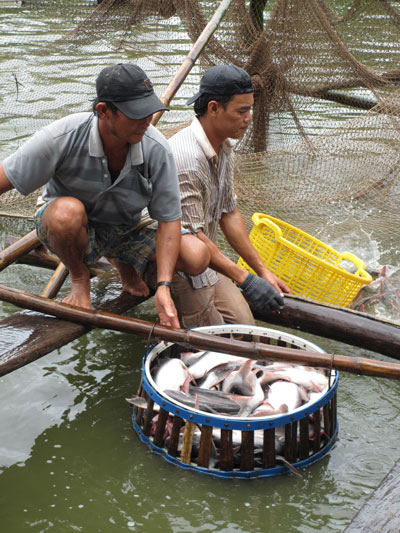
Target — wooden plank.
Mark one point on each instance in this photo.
(381, 511)
(337, 323)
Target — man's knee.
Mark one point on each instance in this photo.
(194, 256)
(65, 213)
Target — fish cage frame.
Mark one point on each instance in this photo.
(298, 451)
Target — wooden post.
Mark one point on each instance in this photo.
(55, 282)
(191, 58)
(226, 451)
(187, 443)
(247, 451)
(205, 446)
(174, 437)
(158, 439)
(269, 454)
(304, 446)
(148, 417)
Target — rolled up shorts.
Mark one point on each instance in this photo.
(134, 245)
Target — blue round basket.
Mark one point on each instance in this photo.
(306, 433)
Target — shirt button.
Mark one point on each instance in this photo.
(105, 175)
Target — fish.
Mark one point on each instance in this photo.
(266, 409)
(210, 360)
(172, 374)
(138, 401)
(307, 377)
(244, 382)
(286, 393)
(191, 357)
(218, 374)
(207, 400)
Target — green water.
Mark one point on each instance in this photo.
(71, 461)
(69, 457)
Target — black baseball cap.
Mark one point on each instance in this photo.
(129, 89)
(224, 80)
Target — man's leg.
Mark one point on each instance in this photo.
(62, 225)
(231, 303)
(195, 306)
(194, 255)
(130, 279)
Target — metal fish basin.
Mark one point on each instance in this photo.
(235, 446)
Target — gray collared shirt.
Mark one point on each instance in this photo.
(67, 158)
(206, 185)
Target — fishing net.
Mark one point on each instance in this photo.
(323, 149)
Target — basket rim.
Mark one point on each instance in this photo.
(229, 422)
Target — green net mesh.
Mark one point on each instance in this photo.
(323, 150)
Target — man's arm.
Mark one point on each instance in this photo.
(235, 231)
(167, 250)
(5, 184)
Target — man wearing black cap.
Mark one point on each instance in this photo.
(204, 159)
(100, 171)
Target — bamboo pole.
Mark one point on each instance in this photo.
(191, 58)
(20, 247)
(332, 322)
(41, 257)
(56, 281)
(191, 339)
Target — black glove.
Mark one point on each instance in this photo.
(260, 294)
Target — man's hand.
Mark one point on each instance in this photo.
(165, 307)
(260, 294)
(277, 283)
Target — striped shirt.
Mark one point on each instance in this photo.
(67, 157)
(206, 185)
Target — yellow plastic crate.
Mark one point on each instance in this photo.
(309, 267)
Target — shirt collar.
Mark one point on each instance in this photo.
(204, 143)
(96, 145)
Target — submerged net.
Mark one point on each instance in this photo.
(323, 152)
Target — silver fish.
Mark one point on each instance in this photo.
(218, 374)
(244, 382)
(286, 393)
(206, 400)
(307, 377)
(172, 374)
(210, 360)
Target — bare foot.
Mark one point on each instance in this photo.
(131, 281)
(79, 294)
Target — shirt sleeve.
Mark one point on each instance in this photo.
(33, 164)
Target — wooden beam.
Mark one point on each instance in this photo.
(337, 323)
(381, 511)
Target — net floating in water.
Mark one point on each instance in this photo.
(309, 267)
(308, 432)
